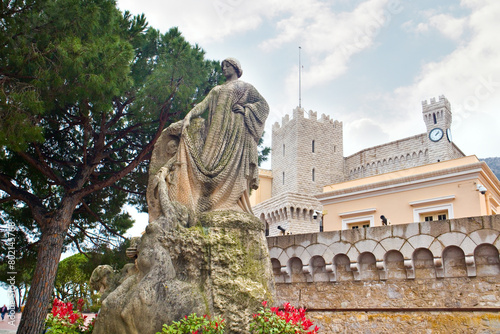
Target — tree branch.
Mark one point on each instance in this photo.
(96, 216)
(41, 165)
(139, 158)
(37, 208)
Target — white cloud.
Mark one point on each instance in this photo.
(449, 26)
(206, 21)
(469, 77)
(329, 39)
(368, 134)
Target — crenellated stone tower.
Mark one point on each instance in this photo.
(437, 118)
(307, 153)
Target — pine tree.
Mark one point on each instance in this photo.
(85, 92)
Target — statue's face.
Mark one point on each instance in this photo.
(228, 70)
(172, 147)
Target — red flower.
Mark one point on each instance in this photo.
(264, 303)
(73, 317)
(80, 304)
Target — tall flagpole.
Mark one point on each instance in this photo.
(300, 70)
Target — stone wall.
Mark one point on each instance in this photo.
(390, 157)
(451, 305)
(433, 277)
(296, 213)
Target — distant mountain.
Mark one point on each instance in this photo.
(494, 164)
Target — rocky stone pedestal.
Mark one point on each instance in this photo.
(218, 265)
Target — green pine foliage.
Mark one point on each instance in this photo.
(85, 91)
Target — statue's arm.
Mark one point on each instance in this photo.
(255, 113)
(198, 110)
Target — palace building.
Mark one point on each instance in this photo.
(312, 187)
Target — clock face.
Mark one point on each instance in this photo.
(436, 134)
(448, 135)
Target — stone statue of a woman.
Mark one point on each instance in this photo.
(201, 171)
(216, 161)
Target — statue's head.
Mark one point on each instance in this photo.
(172, 146)
(234, 63)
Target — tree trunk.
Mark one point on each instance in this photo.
(42, 286)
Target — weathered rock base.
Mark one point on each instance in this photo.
(219, 266)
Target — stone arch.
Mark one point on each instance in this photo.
(278, 276)
(454, 262)
(414, 155)
(487, 261)
(275, 263)
(342, 268)
(368, 267)
(311, 214)
(408, 157)
(423, 263)
(394, 265)
(292, 212)
(295, 269)
(318, 269)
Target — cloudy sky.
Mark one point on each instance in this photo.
(367, 63)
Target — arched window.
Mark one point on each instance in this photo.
(313, 146)
(434, 117)
(283, 177)
(283, 149)
(313, 174)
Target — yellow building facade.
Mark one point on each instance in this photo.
(457, 188)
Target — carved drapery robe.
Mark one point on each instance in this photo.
(217, 159)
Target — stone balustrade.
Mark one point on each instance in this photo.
(465, 247)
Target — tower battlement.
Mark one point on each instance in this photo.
(307, 152)
(433, 104)
(299, 114)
